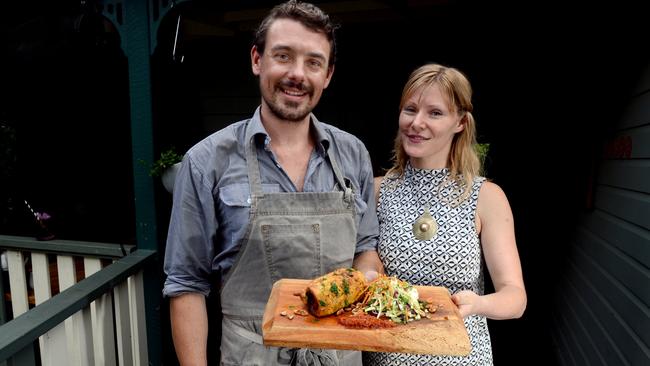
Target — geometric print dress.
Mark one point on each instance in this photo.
(452, 258)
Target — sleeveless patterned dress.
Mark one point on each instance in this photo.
(452, 258)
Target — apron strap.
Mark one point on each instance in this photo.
(254, 180)
(338, 174)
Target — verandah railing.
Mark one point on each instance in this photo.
(99, 320)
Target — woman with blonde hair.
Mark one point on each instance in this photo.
(440, 221)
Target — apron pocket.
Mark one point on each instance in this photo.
(293, 250)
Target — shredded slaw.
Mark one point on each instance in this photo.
(395, 299)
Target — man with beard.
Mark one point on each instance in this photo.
(279, 195)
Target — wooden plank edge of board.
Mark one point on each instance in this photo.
(267, 320)
(451, 349)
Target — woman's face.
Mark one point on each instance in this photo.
(427, 127)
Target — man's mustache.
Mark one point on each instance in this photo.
(288, 84)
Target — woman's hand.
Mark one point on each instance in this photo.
(468, 302)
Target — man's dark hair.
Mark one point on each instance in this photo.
(308, 15)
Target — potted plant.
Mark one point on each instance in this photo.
(166, 167)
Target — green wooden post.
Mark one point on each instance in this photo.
(137, 22)
(137, 34)
(136, 44)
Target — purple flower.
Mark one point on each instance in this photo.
(42, 216)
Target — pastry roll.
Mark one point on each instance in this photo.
(328, 294)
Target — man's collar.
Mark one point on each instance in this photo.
(319, 135)
(256, 128)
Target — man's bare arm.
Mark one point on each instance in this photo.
(189, 320)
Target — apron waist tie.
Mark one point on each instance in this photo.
(299, 356)
(244, 333)
(314, 357)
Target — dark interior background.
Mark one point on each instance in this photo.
(549, 81)
(64, 118)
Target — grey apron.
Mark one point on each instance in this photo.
(289, 235)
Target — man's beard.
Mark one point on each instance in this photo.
(289, 111)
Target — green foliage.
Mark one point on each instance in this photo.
(167, 158)
(482, 152)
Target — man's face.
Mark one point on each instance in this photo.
(293, 70)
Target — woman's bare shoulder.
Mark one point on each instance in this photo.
(492, 197)
(490, 190)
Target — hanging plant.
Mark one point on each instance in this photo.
(166, 160)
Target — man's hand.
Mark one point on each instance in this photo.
(369, 264)
(371, 275)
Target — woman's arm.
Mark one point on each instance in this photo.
(495, 222)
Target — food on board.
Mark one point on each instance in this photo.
(328, 294)
(394, 299)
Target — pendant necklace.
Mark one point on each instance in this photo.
(425, 227)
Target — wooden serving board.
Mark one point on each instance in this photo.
(443, 334)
